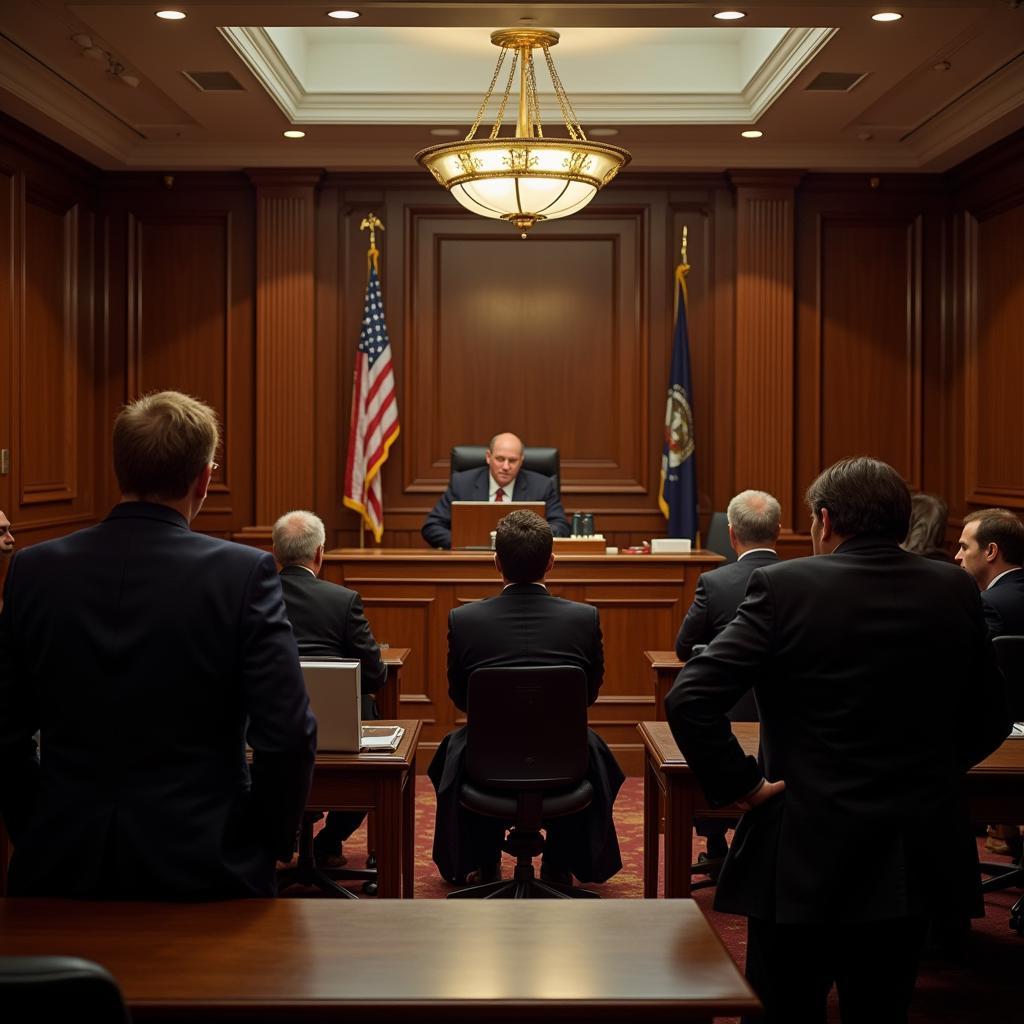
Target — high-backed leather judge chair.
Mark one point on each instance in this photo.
(718, 537)
(526, 761)
(55, 988)
(538, 460)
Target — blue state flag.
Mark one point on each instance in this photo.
(678, 494)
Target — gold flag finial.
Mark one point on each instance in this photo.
(682, 246)
(372, 221)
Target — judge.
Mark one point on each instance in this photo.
(502, 479)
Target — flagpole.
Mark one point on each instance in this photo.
(370, 222)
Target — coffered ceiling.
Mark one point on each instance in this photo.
(830, 88)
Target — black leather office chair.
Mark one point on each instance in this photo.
(54, 988)
(718, 537)
(538, 460)
(526, 761)
(1010, 655)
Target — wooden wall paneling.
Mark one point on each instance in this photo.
(871, 359)
(285, 363)
(177, 267)
(330, 428)
(10, 312)
(994, 379)
(47, 362)
(764, 365)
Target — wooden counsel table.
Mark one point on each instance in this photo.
(384, 784)
(408, 594)
(387, 697)
(429, 962)
(995, 790)
(666, 667)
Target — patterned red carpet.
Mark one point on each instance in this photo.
(982, 984)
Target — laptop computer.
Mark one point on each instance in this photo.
(333, 688)
(473, 521)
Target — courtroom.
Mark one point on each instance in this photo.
(511, 511)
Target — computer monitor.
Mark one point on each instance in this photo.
(333, 688)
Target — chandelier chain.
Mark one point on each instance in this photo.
(487, 97)
(532, 98)
(572, 123)
(504, 99)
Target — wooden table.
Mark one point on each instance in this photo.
(408, 593)
(385, 785)
(995, 790)
(428, 962)
(387, 697)
(666, 667)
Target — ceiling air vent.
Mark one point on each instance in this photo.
(835, 81)
(214, 81)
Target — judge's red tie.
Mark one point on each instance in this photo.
(499, 494)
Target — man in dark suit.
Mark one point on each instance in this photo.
(502, 479)
(147, 655)
(328, 621)
(878, 691)
(524, 625)
(754, 522)
(991, 549)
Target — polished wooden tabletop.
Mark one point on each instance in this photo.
(430, 960)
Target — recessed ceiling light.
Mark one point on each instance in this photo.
(730, 15)
(886, 16)
(343, 15)
(294, 133)
(444, 133)
(172, 15)
(752, 133)
(604, 132)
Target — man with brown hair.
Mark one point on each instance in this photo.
(991, 549)
(148, 656)
(524, 625)
(878, 690)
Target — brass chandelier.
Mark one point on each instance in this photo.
(526, 178)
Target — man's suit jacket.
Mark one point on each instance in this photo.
(147, 655)
(474, 484)
(1003, 604)
(877, 690)
(328, 621)
(523, 626)
(719, 593)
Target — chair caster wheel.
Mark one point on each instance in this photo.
(370, 888)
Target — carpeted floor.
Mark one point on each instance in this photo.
(982, 984)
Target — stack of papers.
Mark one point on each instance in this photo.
(381, 737)
(1017, 732)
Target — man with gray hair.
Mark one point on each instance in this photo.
(754, 523)
(328, 621)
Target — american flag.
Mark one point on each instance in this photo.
(374, 413)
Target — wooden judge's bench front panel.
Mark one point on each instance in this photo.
(641, 598)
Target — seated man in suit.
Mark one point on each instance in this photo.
(328, 621)
(502, 479)
(878, 690)
(991, 549)
(754, 522)
(524, 625)
(147, 655)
